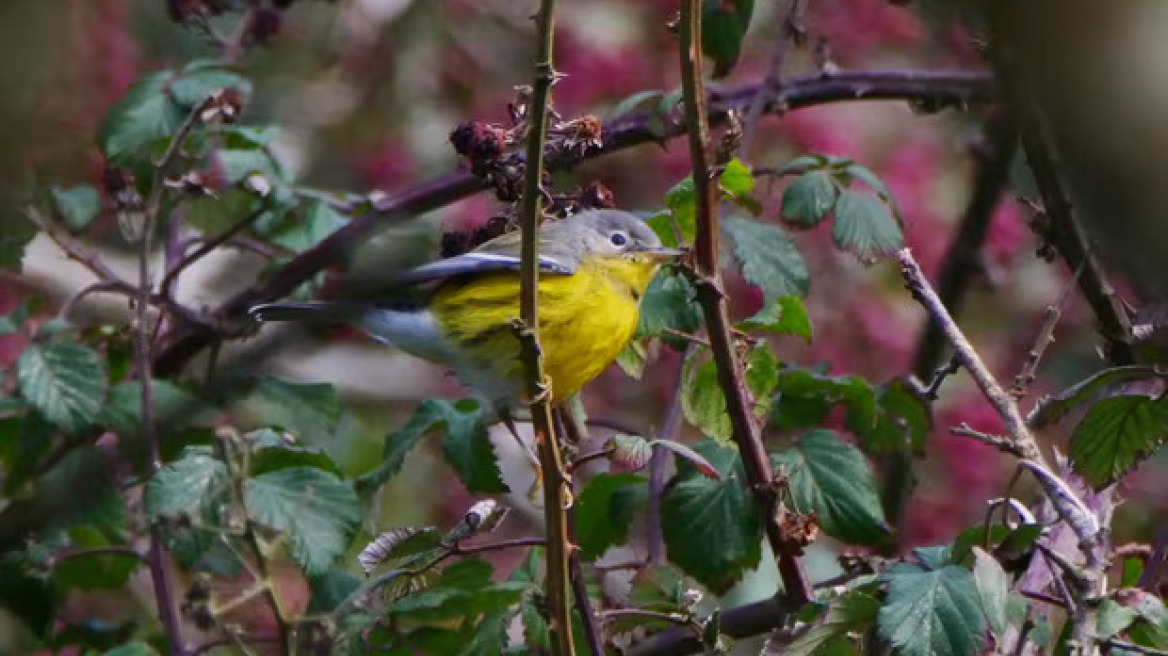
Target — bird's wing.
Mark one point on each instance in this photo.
(480, 262)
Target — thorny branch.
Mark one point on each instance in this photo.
(556, 483)
(960, 268)
(790, 30)
(1065, 234)
(746, 432)
(1089, 533)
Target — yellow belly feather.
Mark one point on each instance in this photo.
(585, 319)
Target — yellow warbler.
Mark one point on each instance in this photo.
(594, 269)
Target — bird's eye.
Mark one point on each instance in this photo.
(619, 239)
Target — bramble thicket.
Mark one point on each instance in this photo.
(903, 394)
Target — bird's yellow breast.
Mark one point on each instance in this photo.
(585, 319)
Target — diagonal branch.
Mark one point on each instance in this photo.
(746, 432)
(960, 267)
(1067, 237)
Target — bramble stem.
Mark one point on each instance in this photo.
(555, 481)
(745, 431)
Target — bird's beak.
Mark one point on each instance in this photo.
(663, 254)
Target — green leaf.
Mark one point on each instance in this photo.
(901, 422)
(768, 257)
(632, 359)
(809, 199)
(703, 402)
(465, 589)
(865, 175)
(1113, 618)
(854, 611)
(806, 398)
(301, 230)
(78, 206)
(1116, 435)
(932, 612)
(428, 416)
(993, 588)
(833, 479)
(316, 509)
(283, 456)
(490, 634)
(25, 440)
(312, 411)
(18, 231)
(864, 227)
(724, 24)
(174, 407)
(145, 114)
(785, 315)
(186, 485)
(681, 201)
(330, 589)
(737, 179)
(711, 528)
(214, 215)
(1132, 568)
(670, 302)
(27, 596)
(604, 511)
(65, 381)
(1107, 382)
(199, 79)
(135, 648)
(238, 164)
(468, 449)
(465, 445)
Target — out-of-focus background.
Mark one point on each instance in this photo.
(367, 91)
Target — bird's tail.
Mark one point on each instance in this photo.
(320, 311)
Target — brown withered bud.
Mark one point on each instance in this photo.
(798, 530)
(462, 137)
(479, 142)
(190, 183)
(855, 564)
(265, 23)
(115, 179)
(597, 196)
(577, 138)
(118, 184)
(457, 243)
(731, 139)
(222, 106)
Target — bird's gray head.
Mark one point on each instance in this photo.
(603, 232)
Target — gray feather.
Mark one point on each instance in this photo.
(478, 262)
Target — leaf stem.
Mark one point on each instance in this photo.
(745, 431)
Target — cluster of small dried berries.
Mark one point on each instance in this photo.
(593, 196)
(482, 144)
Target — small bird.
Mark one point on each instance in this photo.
(595, 266)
